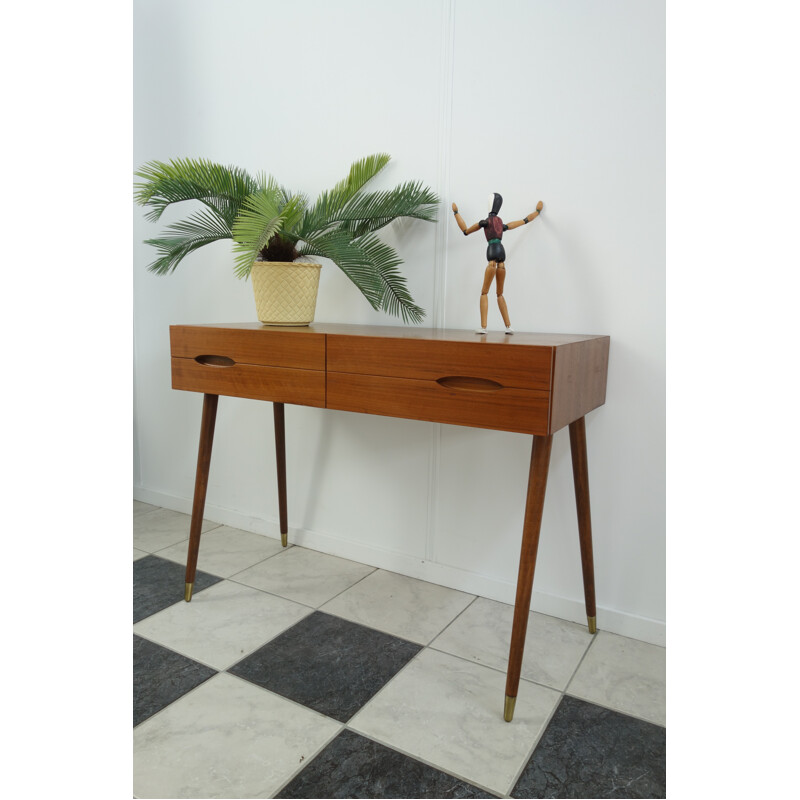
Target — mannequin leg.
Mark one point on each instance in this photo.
(488, 277)
(501, 301)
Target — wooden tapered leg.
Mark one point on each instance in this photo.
(580, 472)
(534, 506)
(280, 457)
(200, 486)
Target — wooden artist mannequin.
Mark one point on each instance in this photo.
(495, 254)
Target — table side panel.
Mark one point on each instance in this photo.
(522, 367)
(279, 384)
(264, 346)
(506, 409)
(580, 372)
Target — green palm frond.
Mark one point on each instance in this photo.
(361, 172)
(351, 258)
(395, 297)
(198, 230)
(372, 266)
(366, 213)
(300, 199)
(294, 209)
(222, 188)
(258, 221)
(324, 212)
(263, 215)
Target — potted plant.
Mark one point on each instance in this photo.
(275, 231)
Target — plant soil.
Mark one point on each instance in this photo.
(278, 249)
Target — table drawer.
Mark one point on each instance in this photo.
(455, 402)
(300, 386)
(512, 365)
(264, 346)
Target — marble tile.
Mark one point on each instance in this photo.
(589, 751)
(161, 528)
(225, 551)
(449, 712)
(402, 606)
(221, 624)
(327, 663)
(158, 583)
(553, 647)
(137, 554)
(226, 738)
(142, 508)
(161, 676)
(352, 766)
(304, 575)
(624, 674)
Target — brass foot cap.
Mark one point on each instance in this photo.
(285, 539)
(187, 594)
(508, 710)
(592, 624)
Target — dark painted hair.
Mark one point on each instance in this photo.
(498, 201)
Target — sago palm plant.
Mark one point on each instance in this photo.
(267, 222)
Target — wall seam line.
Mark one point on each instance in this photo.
(440, 253)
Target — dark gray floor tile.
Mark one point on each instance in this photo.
(353, 766)
(158, 583)
(326, 663)
(589, 751)
(161, 676)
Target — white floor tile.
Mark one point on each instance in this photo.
(624, 674)
(161, 528)
(142, 508)
(449, 712)
(406, 607)
(222, 624)
(224, 551)
(553, 647)
(304, 575)
(227, 738)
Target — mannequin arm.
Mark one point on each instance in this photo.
(463, 225)
(529, 218)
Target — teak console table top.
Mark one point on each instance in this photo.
(534, 383)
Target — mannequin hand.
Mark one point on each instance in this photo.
(455, 208)
(539, 206)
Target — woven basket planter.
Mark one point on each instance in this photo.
(285, 292)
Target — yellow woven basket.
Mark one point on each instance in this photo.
(285, 292)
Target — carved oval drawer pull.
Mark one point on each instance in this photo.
(215, 361)
(468, 384)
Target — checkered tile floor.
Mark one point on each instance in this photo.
(296, 674)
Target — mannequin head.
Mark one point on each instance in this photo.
(495, 201)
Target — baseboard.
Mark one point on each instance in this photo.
(611, 620)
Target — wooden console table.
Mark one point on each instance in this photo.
(527, 383)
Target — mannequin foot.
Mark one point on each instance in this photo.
(480, 330)
(509, 330)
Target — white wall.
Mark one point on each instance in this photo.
(558, 101)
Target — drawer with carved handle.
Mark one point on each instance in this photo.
(249, 361)
(509, 362)
(452, 399)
